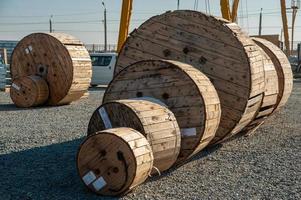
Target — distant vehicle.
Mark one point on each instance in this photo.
(103, 65)
(293, 60)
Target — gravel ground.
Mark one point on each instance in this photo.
(38, 148)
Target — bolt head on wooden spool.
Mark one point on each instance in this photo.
(214, 46)
(187, 92)
(29, 91)
(60, 59)
(156, 122)
(114, 161)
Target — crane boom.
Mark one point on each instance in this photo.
(124, 22)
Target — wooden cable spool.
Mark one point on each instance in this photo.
(155, 122)
(60, 59)
(283, 68)
(114, 161)
(187, 92)
(29, 91)
(270, 97)
(218, 48)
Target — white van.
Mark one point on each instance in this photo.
(103, 65)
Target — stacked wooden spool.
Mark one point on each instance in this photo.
(60, 59)
(187, 71)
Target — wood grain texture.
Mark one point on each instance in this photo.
(114, 161)
(187, 92)
(283, 68)
(60, 59)
(216, 47)
(270, 95)
(29, 91)
(157, 123)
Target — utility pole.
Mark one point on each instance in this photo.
(285, 27)
(105, 25)
(295, 6)
(50, 24)
(178, 7)
(260, 23)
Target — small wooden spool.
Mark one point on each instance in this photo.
(216, 47)
(114, 161)
(29, 91)
(60, 59)
(187, 92)
(283, 68)
(155, 122)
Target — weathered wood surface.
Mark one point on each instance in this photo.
(60, 59)
(270, 95)
(283, 68)
(114, 161)
(187, 92)
(157, 123)
(219, 49)
(29, 91)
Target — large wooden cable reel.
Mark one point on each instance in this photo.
(187, 92)
(114, 161)
(60, 59)
(214, 46)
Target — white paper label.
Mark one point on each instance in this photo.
(15, 86)
(105, 118)
(99, 183)
(186, 132)
(151, 99)
(89, 178)
(30, 48)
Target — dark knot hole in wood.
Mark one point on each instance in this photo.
(202, 60)
(139, 94)
(165, 96)
(186, 50)
(166, 52)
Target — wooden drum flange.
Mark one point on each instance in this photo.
(114, 161)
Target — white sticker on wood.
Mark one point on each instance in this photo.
(99, 183)
(105, 118)
(15, 86)
(186, 132)
(89, 178)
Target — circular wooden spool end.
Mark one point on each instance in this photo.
(216, 47)
(155, 122)
(187, 92)
(283, 68)
(114, 161)
(60, 59)
(29, 91)
(270, 96)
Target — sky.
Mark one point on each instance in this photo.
(84, 18)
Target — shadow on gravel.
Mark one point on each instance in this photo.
(43, 173)
(207, 151)
(13, 107)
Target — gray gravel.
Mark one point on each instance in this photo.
(38, 148)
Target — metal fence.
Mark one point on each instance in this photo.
(95, 48)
